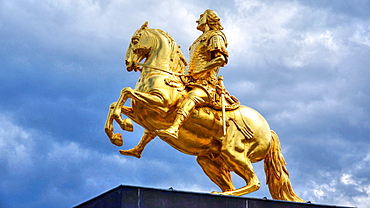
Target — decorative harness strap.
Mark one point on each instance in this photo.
(162, 70)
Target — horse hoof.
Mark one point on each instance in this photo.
(130, 152)
(127, 125)
(117, 139)
(222, 193)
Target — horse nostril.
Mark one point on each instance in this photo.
(127, 63)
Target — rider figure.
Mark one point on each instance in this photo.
(207, 54)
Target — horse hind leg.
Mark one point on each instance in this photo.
(244, 169)
(217, 171)
(233, 152)
(138, 149)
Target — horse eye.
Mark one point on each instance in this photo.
(135, 41)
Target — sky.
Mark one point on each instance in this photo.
(303, 64)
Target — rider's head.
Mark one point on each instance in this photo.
(209, 20)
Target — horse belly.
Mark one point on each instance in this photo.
(193, 143)
(195, 137)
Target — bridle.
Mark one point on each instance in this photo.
(162, 70)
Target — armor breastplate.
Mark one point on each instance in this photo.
(199, 55)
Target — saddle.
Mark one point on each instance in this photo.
(215, 95)
(214, 107)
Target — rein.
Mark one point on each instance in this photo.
(162, 70)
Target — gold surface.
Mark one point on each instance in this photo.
(194, 113)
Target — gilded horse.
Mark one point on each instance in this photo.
(154, 101)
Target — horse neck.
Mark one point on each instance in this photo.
(160, 55)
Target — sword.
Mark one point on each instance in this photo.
(223, 102)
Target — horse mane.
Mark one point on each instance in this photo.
(176, 56)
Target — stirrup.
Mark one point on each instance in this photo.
(167, 135)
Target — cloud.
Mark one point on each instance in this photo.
(66, 171)
(359, 192)
(291, 35)
(15, 144)
(70, 173)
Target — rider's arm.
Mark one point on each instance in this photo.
(218, 53)
(214, 63)
(218, 60)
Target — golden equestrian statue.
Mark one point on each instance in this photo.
(193, 112)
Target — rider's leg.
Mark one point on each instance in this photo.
(195, 97)
(182, 115)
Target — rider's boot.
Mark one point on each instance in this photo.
(173, 131)
(183, 112)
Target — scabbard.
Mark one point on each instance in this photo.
(223, 102)
(223, 113)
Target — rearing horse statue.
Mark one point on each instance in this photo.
(154, 101)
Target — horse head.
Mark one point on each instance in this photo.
(155, 46)
(138, 48)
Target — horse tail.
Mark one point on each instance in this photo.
(277, 176)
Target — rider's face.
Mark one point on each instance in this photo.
(202, 21)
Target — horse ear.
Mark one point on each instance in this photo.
(145, 25)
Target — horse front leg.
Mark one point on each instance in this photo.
(125, 124)
(138, 149)
(117, 107)
(154, 100)
(115, 139)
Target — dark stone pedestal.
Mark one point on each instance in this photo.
(139, 197)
